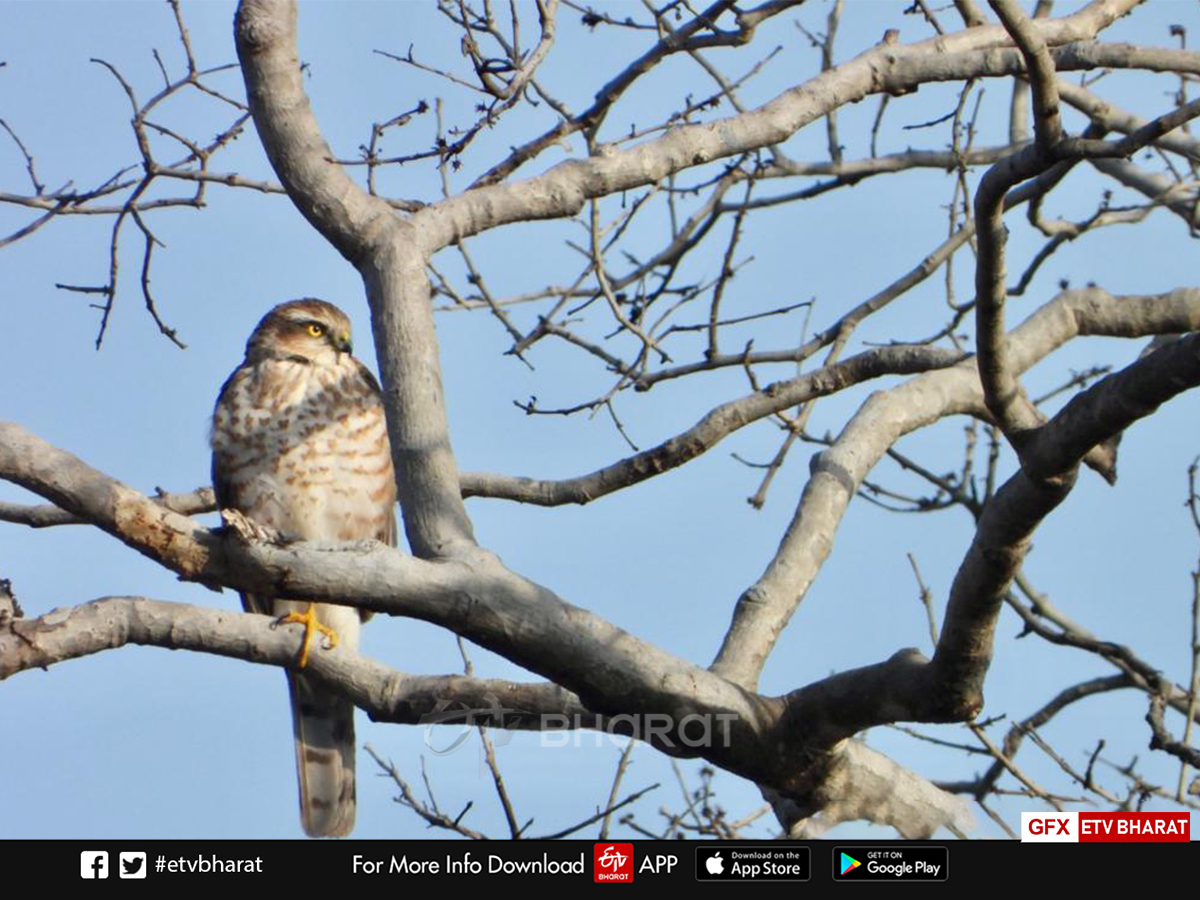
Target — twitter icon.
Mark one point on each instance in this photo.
(133, 865)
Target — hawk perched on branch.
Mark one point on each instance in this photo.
(300, 446)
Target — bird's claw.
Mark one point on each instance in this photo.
(308, 619)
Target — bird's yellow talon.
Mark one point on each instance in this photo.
(308, 619)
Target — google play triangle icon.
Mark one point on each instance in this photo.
(849, 863)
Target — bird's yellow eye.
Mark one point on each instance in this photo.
(316, 330)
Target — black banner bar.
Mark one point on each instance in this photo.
(136, 864)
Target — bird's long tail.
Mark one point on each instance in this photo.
(323, 724)
(324, 727)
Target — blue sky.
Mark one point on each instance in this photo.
(142, 742)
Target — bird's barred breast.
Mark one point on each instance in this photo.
(304, 450)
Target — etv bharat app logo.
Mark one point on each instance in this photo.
(613, 863)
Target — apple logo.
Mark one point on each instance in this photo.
(714, 864)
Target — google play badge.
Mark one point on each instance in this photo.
(849, 863)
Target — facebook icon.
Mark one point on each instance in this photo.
(93, 864)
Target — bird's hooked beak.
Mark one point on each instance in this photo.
(342, 343)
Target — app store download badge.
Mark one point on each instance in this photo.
(752, 862)
(890, 863)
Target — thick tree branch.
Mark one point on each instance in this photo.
(862, 783)
(388, 254)
(765, 608)
(347, 216)
(1114, 118)
(950, 688)
(1010, 518)
(972, 15)
(1040, 69)
(611, 671)
(47, 515)
(1014, 413)
(385, 694)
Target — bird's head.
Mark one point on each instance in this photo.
(309, 330)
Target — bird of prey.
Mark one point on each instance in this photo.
(300, 447)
